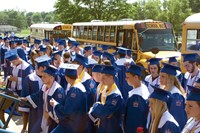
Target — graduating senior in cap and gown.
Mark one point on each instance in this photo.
(174, 62)
(161, 120)
(123, 63)
(72, 114)
(193, 111)
(193, 72)
(154, 70)
(97, 75)
(32, 84)
(50, 89)
(177, 101)
(86, 79)
(137, 106)
(106, 114)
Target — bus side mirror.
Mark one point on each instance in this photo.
(179, 45)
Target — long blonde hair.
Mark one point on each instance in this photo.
(173, 81)
(157, 109)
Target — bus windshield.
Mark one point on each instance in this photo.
(163, 39)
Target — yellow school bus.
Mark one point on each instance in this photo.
(191, 35)
(140, 35)
(50, 31)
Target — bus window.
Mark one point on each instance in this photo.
(85, 32)
(163, 39)
(100, 33)
(193, 39)
(75, 32)
(134, 42)
(107, 33)
(112, 34)
(89, 32)
(94, 33)
(81, 31)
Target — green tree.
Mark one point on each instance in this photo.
(48, 18)
(3, 18)
(194, 5)
(37, 18)
(175, 11)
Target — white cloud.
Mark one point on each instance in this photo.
(28, 5)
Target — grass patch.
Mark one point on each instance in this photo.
(23, 33)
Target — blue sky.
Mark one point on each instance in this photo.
(30, 5)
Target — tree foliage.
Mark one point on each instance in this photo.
(70, 11)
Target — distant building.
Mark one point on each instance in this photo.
(7, 28)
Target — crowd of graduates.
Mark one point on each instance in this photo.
(74, 89)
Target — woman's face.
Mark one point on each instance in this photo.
(192, 109)
(163, 78)
(153, 69)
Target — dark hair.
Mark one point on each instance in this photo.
(72, 77)
(192, 62)
(157, 66)
(139, 77)
(121, 55)
(66, 54)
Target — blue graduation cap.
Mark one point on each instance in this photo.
(194, 94)
(25, 41)
(108, 55)
(43, 60)
(62, 42)
(42, 48)
(56, 40)
(122, 50)
(135, 69)
(5, 39)
(70, 40)
(76, 44)
(11, 54)
(97, 53)
(81, 59)
(105, 47)
(46, 40)
(129, 52)
(94, 48)
(11, 42)
(154, 61)
(169, 69)
(160, 94)
(51, 70)
(109, 70)
(88, 47)
(19, 41)
(57, 52)
(173, 59)
(70, 69)
(97, 68)
(37, 41)
(190, 57)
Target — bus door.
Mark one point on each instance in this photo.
(125, 38)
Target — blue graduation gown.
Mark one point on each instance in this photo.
(72, 114)
(22, 54)
(168, 124)
(136, 109)
(123, 64)
(20, 71)
(90, 86)
(31, 85)
(109, 114)
(41, 100)
(177, 107)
